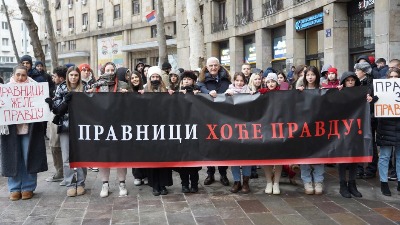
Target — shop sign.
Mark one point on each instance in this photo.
(225, 57)
(250, 53)
(279, 47)
(364, 4)
(310, 21)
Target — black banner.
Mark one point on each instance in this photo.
(162, 130)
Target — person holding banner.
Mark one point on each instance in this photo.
(158, 178)
(108, 82)
(23, 150)
(312, 175)
(387, 137)
(73, 83)
(214, 79)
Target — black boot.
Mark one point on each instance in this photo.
(398, 185)
(344, 191)
(353, 189)
(385, 189)
(185, 189)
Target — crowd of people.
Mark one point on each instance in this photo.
(24, 152)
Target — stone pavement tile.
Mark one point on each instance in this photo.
(71, 213)
(99, 207)
(75, 205)
(252, 206)
(67, 221)
(358, 209)
(39, 220)
(317, 198)
(231, 213)
(209, 220)
(202, 210)
(279, 207)
(394, 204)
(390, 213)
(51, 200)
(237, 221)
(153, 218)
(377, 219)
(330, 207)
(10, 223)
(125, 216)
(96, 221)
(292, 219)
(311, 213)
(126, 203)
(14, 215)
(177, 207)
(106, 214)
(323, 222)
(44, 211)
(263, 219)
(180, 218)
(198, 199)
(297, 202)
(173, 198)
(223, 201)
(150, 202)
(150, 207)
(372, 203)
(340, 200)
(82, 198)
(23, 205)
(347, 219)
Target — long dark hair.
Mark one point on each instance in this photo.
(317, 76)
(135, 88)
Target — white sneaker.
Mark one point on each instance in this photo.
(268, 189)
(104, 190)
(122, 189)
(137, 182)
(275, 189)
(319, 188)
(308, 188)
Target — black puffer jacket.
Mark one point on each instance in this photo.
(388, 132)
(220, 83)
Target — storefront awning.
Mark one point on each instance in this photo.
(73, 55)
(146, 45)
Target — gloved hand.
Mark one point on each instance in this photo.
(50, 102)
(68, 97)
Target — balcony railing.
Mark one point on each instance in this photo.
(295, 2)
(244, 18)
(219, 25)
(272, 7)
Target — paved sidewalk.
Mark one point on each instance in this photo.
(213, 204)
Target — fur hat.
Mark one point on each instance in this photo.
(154, 70)
(363, 66)
(272, 76)
(190, 74)
(26, 58)
(84, 66)
(166, 66)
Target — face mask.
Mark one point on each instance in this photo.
(155, 83)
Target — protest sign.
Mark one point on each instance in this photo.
(24, 103)
(388, 92)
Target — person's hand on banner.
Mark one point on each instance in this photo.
(171, 91)
(340, 87)
(301, 88)
(213, 93)
(141, 91)
(229, 92)
(50, 102)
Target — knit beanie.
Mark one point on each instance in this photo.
(154, 70)
(363, 66)
(84, 66)
(272, 76)
(38, 63)
(26, 58)
(190, 74)
(332, 70)
(166, 66)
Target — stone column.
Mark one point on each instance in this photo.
(387, 36)
(125, 55)
(295, 45)
(236, 53)
(336, 30)
(263, 48)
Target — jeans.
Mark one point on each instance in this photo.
(383, 163)
(246, 171)
(317, 173)
(69, 172)
(23, 181)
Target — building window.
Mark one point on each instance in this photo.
(5, 41)
(271, 7)
(154, 31)
(58, 25)
(70, 2)
(117, 11)
(58, 4)
(100, 15)
(135, 7)
(4, 25)
(245, 13)
(361, 31)
(153, 4)
(72, 45)
(71, 22)
(85, 19)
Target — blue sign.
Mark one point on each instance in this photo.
(328, 32)
(310, 21)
